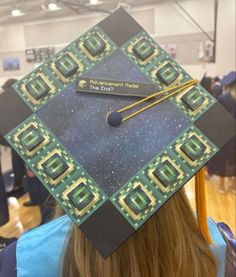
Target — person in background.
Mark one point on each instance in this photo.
(217, 87)
(37, 192)
(224, 163)
(206, 83)
(7, 85)
(228, 99)
(4, 212)
(18, 170)
(18, 165)
(39, 196)
(212, 85)
(216, 79)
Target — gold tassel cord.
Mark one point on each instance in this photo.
(201, 205)
(176, 89)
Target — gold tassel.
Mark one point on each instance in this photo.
(201, 205)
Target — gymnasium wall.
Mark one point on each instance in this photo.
(164, 21)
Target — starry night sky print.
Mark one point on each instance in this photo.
(117, 67)
(111, 155)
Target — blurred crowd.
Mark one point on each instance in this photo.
(23, 181)
(223, 164)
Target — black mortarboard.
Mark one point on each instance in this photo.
(111, 179)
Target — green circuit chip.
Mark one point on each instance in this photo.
(31, 138)
(81, 196)
(137, 200)
(193, 148)
(94, 45)
(143, 49)
(193, 99)
(55, 166)
(167, 74)
(37, 87)
(66, 65)
(166, 173)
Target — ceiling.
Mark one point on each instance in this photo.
(34, 12)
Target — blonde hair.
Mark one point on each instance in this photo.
(169, 244)
(232, 90)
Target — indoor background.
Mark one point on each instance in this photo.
(190, 30)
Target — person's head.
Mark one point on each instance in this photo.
(206, 83)
(169, 244)
(7, 85)
(217, 89)
(229, 83)
(216, 79)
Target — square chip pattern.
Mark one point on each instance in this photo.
(66, 65)
(93, 169)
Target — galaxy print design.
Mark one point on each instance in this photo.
(111, 155)
(117, 67)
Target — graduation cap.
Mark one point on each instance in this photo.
(228, 79)
(113, 127)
